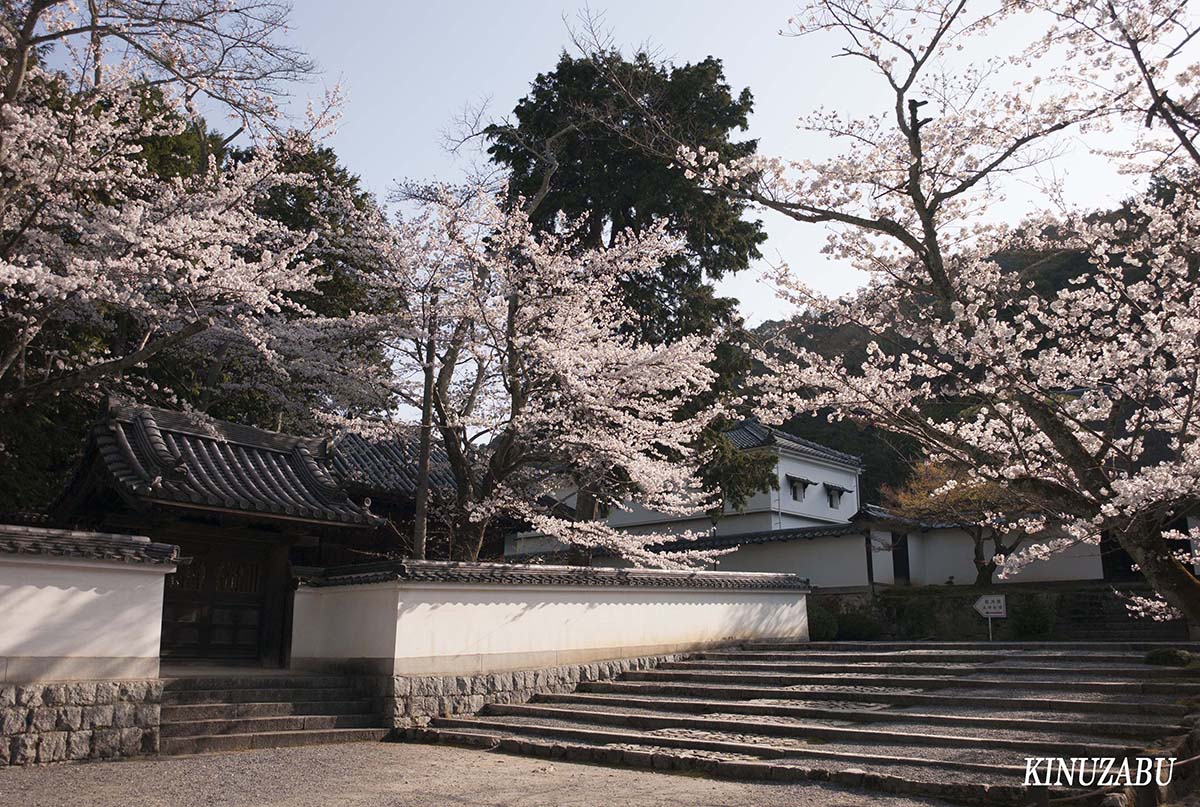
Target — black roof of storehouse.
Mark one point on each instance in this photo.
(160, 457)
(750, 433)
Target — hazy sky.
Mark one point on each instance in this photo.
(409, 67)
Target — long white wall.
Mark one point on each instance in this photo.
(68, 619)
(409, 628)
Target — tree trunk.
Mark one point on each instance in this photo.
(421, 513)
(985, 567)
(470, 535)
(1170, 578)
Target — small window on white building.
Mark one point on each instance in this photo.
(798, 486)
(834, 492)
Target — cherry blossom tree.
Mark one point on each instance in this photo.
(1080, 401)
(537, 388)
(105, 265)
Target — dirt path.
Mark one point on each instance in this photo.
(395, 775)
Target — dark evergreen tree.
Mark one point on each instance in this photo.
(579, 146)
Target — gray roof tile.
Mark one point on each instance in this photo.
(42, 542)
(388, 466)
(533, 575)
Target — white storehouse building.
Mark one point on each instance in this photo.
(814, 524)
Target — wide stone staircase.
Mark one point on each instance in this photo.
(949, 720)
(237, 712)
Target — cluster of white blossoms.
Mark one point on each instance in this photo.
(1081, 401)
(105, 262)
(540, 390)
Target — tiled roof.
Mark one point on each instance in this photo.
(514, 574)
(752, 434)
(763, 537)
(388, 466)
(39, 541)
(874, 512)
(165, 457)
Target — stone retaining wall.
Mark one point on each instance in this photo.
(57, 722)
(412, 701)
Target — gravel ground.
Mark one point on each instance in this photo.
(397, 775)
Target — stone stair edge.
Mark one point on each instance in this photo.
(216, 743)
(1154, 728)
(898, 699)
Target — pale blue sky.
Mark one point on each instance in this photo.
(409, 67)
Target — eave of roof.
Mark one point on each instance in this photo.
(869, 513)
(42, 542)
(762, 537)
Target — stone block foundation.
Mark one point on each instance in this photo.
(409, 701)
(78, 720)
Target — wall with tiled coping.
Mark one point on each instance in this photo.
(79, 644)
(435, 639)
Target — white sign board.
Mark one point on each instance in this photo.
(992, 606)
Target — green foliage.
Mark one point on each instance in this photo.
(858, 626)
(1169, 657)
(1032, 617)
(916, 619)
(615, 171)
(822, 623)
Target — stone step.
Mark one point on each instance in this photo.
(999, 668)
(651, 721)
(256, 681)
(1142, 730)
(841, 771)
(914, 657)
(1177, 688)
(231, 711)
(998, 704)
(959, 646)
(177, 746)
(257, 725)
(272, 694)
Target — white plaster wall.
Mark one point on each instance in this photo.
(453, 628)
(815, 505)
(881, 557)
(951, 552)
(916, 559)
(345, 621)
(831, 561)
(63, 617)
(766, 510)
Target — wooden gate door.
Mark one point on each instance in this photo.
(214, 607)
